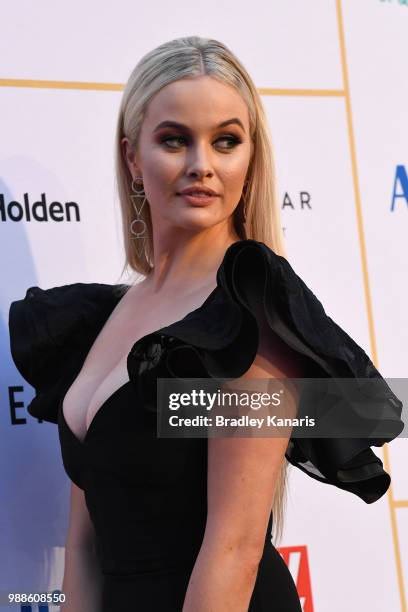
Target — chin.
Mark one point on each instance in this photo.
(195, 218)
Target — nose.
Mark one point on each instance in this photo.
(199, 161)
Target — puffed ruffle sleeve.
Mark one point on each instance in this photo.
(220, 339)
(51, 331)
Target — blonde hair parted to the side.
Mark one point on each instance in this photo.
(188, 57)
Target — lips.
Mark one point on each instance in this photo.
(198, 192)
(197, 198)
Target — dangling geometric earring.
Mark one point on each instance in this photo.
(139, 236)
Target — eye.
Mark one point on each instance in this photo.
(231, 140)
(168, 139)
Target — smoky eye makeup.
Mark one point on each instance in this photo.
(231, 140)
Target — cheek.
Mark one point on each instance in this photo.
(233, 177)
(161, 168)
(233, 170)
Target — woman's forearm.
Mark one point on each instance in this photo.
(221, 582)
(82, 583)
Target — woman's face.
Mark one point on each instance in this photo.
(198, 151)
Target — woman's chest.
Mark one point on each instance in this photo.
(122, 447)
(104, 370)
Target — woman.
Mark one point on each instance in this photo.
(183, 524)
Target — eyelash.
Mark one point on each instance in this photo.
(232, 139)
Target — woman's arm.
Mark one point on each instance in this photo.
(82, 582)
(242, 475)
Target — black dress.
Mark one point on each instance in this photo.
(147, 495)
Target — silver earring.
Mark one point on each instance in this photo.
(138, 225)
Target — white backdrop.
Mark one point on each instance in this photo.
(332, 75)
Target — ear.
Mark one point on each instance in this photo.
(130, 157)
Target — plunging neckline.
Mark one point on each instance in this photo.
(104, 404)
(94, 418)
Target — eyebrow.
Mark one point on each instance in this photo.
(176, 124)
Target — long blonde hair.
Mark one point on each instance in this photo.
(171, 61)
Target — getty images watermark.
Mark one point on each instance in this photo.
(276, 407)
